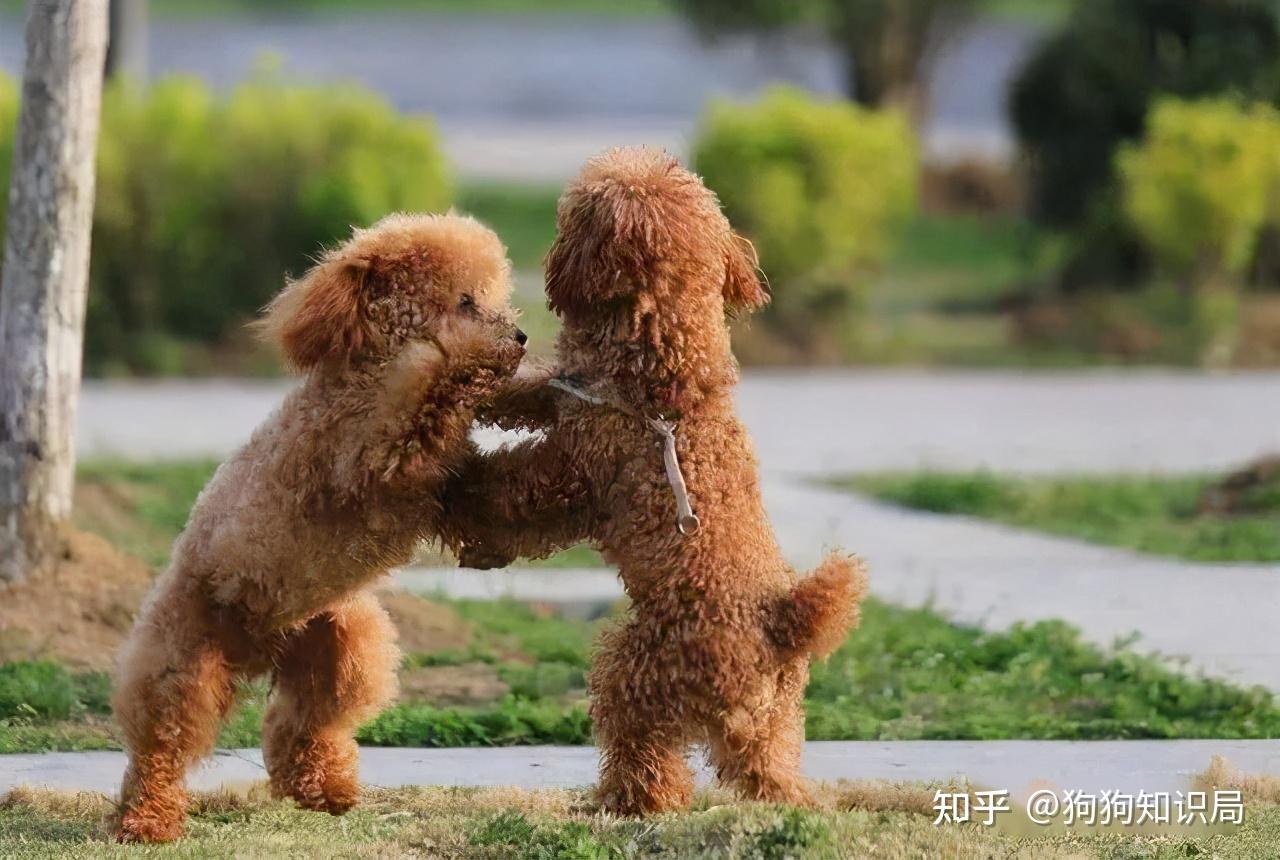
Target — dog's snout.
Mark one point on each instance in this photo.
(521, 337)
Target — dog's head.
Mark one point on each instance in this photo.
(440, 282)
(635, 228)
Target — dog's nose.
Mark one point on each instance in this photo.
(521, 337)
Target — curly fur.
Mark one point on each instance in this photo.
(402, 332)
(643, 272)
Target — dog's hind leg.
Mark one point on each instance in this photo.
(758, 752)
(643, 769)
(174, 686)
(331, 675)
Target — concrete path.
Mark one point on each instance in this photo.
(814, 422)
(1220, 618)
(1019, 766)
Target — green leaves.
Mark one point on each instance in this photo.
(1204, 183)
(820, 187)
(206, 202)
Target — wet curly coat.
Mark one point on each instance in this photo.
(721, 630)
(401, 333)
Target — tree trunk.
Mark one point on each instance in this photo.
(127, 49)
(46, 267)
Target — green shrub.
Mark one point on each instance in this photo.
(45, 690)
(1203, 184)
(820, 187)
(1088, 87)
(205, 202)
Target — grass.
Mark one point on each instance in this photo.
(523, 215)
(139, 507)
(508, 673)
(859, 820)
(1151, 514)
(938, 300)
(905, 674)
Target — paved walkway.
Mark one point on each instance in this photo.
(1019, 766)
(815, 422)
(1220, 618)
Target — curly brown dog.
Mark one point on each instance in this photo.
(721, 631)
(401, 333)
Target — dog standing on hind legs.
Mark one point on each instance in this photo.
(643, 456)
(402, 333)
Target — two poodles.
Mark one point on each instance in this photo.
(405, 337)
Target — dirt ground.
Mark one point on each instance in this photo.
(81, 611)
(78, 612)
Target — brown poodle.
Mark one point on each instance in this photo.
(401, 333)
(721, 630)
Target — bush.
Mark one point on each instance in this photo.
(1088, 88)
(45, 690)
(820, 187)
(205, 202)
(1203, 185)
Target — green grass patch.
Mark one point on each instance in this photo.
(858, 820)
(536, 635)
(910, 674)
(904, 674)
(139, 507)
(523, 215)
(1158, 515)
(513, 721)
(938, 301)
(47, 690)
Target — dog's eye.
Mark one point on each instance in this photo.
(466, 301)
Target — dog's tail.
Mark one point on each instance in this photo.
(820, 610)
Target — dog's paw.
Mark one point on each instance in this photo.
(140, 828)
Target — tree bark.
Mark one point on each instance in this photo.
(127, 49)
(46, 267)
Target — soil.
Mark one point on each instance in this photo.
(1255, 488)
(468, 684)
(79, 611)
(425, 627)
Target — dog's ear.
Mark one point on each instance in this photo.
(572, 265)
(319, 318)
(596, 253)
(744, 289)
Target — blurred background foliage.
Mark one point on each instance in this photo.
(1089, 86)
(204, 202)
(888, 46)
(1137, 221)
(822, 188)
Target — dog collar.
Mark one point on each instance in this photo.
(687, 521)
